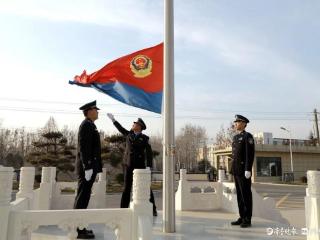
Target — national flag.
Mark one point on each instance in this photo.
(135, 79)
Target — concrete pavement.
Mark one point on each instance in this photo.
(198, 225)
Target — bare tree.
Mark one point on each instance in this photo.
(4, 144)
(12, 146)
(70, 135)
(188, 141)
(224, 137)
(156, 144)
(50, 126)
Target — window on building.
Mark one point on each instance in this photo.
(269, 166)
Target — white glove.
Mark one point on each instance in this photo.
(88, 174)
(247, 174)
(110, 115)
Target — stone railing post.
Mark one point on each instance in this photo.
(6, 178)
(312, 205)
(142, 208)
(182, 192)
(45, 191)
(99, 190)
(45, 175)
(53, 174)
(26, 184)
(102, 177)
(183, 175)
(221, 175)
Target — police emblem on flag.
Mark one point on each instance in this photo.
(141, 66)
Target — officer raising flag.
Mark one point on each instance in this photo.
(138, 155)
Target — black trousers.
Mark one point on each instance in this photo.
(244, 196)
(125, 199)
(84, 191)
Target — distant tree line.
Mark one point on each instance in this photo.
(51, 146)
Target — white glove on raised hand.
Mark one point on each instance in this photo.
(247, 174)
(110, 115)
(88, 174)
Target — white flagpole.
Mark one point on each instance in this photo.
(168, 122)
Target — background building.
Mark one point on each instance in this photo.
(272, 158)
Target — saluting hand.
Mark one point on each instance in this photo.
(110, 115)
(247, 174)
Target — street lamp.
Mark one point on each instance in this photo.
(282, 128)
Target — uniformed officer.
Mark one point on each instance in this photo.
(243, 156)
(138, 154)
(88, 160)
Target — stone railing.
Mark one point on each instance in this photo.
(32, 208)
(6, 178)
(65, 200)
(312, 205)
(198, 195)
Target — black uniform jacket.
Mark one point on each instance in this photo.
(242, 153)
(89, 148)
(138, 152)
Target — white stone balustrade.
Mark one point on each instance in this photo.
(43, 195)
(65, 200)
(46, 175)
(99, 191)
(197, 195)
(6, 177)
(221, 175)
(26, 184)
(142, 208)
(312, 205)
(53, 174)
(120, 220)
(102, 177)
(203, 195)
(31, 208)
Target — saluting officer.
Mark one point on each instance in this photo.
(243, 156)
(88, 160)
(138, 154)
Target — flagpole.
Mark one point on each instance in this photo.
(168, 121)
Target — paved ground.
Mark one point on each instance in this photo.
(196, 226)
(289, 200)
(286, 196)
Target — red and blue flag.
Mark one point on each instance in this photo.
(135, 79)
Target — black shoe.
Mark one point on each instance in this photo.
(85, 234)
(89, 231)
(238, 222)
(245, 224)
(155, 213)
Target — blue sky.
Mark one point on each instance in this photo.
(256, 58)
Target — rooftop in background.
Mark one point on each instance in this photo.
(267, 138)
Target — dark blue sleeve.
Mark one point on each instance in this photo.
(86, 140)
(121, 129)
(250, 148)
